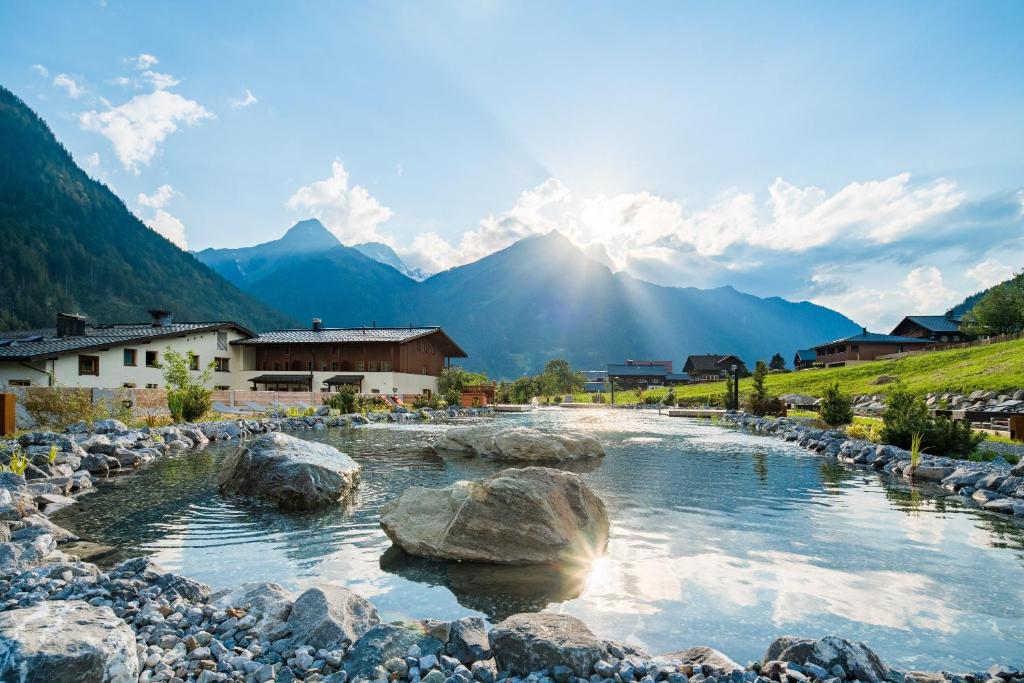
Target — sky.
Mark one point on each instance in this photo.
(864, 156)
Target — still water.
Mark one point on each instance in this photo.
(718, 537)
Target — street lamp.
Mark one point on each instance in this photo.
(735, 386)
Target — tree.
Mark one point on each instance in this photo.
(759, 402)
(458, 378)
(558, 377)
(729, 398)
(1000, 311)
(836, 407)
(777, 362)
(523, 389)
(904, 416)
(188, 397)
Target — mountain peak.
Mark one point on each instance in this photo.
(309, 234)
(382, 253)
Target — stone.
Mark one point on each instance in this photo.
(519, 444)
(108, 426)
(703, 656)
(857, 659)
(26, 549)
(330, 616)
(931, 472)
(524, 643)
(533, 515)
(468, 640)
(269, 603)
(91, 646)
(384, 641)
(291, 472)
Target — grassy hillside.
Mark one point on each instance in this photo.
(993, 367)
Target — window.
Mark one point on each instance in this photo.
(152, 386)
(423, 369)
(222, 341)
(385, 366)
(193, 361)
(19, 383)
(221, 364)
(152, 359)
(222, 387)
(128, 385)
(359, 366)
(89, 365)
(372, 366)
(323, 366)
(277, 365)
(129, 357)
(334, 366)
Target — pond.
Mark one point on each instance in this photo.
(718, 537)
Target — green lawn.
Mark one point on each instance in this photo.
(994, 367)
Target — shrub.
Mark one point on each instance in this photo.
(58, 407)
(865, 432)
(836, 407)
(188, 399)
(951, 437)
(759, 402)
(670, 397)
(17, 462)
(904, 415)
(453, 397)
(342, 400)
(371, 403)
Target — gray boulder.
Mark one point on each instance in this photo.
(328, 616)
(384, 642)
(27, 548)
(533, 515)
(109, 426)
(293, 473)
(467, 640)
(857, 659)
(268, 602)
(705, 657)
(91, 645)
(519, 444)
(524, 643)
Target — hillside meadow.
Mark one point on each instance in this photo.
(992, 367)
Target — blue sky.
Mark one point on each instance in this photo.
(865, 156)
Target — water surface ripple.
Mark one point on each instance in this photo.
(718, 537)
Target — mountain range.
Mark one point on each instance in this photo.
(539, 298)
(71, 245)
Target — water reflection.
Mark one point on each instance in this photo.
(718, 537)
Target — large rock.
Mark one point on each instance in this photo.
(857, 659)
(524, 643)
(383, 642)
(468, 641)
(705, 657)
(27, 548)
(519, 444)
(533, 515)
(328, 616)
(293, 473)
(66, 642)
(268, 602)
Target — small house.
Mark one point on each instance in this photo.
(712, 367)
(804, 358)
(863, 347)
(942, 329)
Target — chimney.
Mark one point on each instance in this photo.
(70, 325)
(318, 325)
(864, 330)
(161, 318)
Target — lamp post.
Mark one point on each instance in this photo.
(735, 386)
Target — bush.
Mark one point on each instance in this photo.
(836, 407)
(759, 402)
(432, 402)
(951, 437)
(904, 415)
(453, 397)
(188, 399)
(371, 404)
(865, 432)
(342, 400)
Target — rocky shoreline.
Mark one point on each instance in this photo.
(993, 486)
(138, 622)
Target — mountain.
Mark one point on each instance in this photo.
(967, 304)
(386, 255)
(309, 272)
(538, 299)
(71, 245)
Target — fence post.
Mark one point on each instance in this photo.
(7, 414)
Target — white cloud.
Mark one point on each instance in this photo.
(989, 272)
(41, 70)
(162, 221)
(144, 61)
(158, 199)
(123, 81)
(138, 126)
(159, 81)
(350, 212)
(93, 160)
(246, 101)
(68, 83)
(169, 226)
(925, 289)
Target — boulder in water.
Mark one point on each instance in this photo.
(857, 659)
(525, 643)
(519, 444)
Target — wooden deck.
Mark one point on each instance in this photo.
(695, 412)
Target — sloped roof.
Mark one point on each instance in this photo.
(807, 354)
(351, 335)
(933, 323)
(709, 362)
(620, 370)
(875, 338)
(44, 343)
